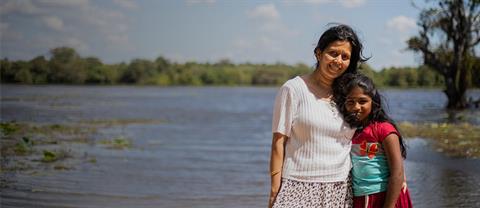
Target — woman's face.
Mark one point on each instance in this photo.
(334, 59)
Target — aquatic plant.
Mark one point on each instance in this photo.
(8, 128)
(24, 146)
(117, 143)
(52, 156)
(459, 140)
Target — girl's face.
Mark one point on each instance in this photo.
(359, 103)
(334, 59)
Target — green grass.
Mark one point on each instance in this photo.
(458, 140)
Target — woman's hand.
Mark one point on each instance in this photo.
(271, 200)
(276, 163)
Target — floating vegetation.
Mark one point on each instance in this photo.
(24, 146)
(121, 122)
(27, 146)
(61, 167)
(52, 156)
(49, 156)
(92, 160)
(458, 140)
(8, 128)
(117, 143)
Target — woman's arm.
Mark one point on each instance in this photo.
(276, 163)
(391, 145)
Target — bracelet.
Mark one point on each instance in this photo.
(274, 173)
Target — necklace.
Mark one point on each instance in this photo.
(333, 108)
(321, 89)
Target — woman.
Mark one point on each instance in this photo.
(310, 158)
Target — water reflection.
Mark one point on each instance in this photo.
(439, 181)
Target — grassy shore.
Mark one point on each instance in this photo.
(456, 140)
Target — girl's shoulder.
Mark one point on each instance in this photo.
(382, 129)
(382, 125)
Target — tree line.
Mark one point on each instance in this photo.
(66, 66)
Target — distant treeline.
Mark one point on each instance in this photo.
(66, 66)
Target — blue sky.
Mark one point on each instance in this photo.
(204, 30)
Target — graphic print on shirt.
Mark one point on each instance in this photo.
(368, 149)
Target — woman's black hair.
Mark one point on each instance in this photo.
(345, 85)
(343, 33)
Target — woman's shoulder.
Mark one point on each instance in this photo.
(294, 84)
(295, 81)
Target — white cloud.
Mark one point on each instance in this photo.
(82, 24)
(192, 2)
(266, 12)
(344, 3)
(267, 20)
(267, 38)
(127, 4)
(118, 39)
(401, 24)
(76, 43)
(65, 3)
(23, 7)
(8, 34)
(308, 1)
(242, 44)
(53, 22)
(352, 3)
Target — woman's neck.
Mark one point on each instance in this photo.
(321, 81)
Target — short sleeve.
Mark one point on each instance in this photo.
(384, 129)
(283, 111)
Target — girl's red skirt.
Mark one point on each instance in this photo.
(377, 200)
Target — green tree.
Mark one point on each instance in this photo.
(95, 71)
(6, 72)
(112, 73)
(476, 72)
(139, 71)
(448, 35)
(162, 64)
(66, 66)
(40, 70)
(427, 77)
(269, 76)
(397, 77)
(22, 72)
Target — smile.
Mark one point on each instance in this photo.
(335, 67)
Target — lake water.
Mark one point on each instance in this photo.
(211, 148)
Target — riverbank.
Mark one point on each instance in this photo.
(456, 140)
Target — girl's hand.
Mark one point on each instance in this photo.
(396, 179)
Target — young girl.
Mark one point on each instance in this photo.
(377, 146)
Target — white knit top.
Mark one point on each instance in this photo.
(318, 147)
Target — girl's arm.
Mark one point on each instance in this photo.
(276, 163)
(391, 145)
